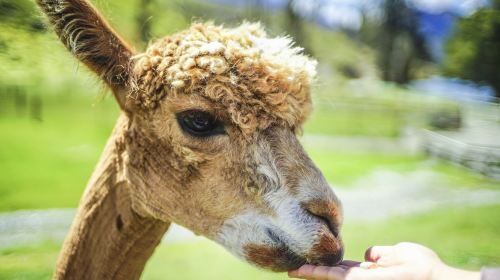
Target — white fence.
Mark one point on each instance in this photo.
(481, 158)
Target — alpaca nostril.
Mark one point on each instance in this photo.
(325, 218)
(336, 258)
(326, 211)
(332, 226)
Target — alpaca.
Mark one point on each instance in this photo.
(206, 139)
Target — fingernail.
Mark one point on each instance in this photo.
(367, 265)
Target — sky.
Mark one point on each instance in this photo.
(347, 14)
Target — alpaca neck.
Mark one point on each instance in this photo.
(108, 240)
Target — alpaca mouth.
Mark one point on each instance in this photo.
(289, 259)
(292, 260)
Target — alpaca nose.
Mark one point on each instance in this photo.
(327, 220)
(329, 249)
(326, 212)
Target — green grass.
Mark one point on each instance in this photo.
(378, 123)
(371, 108)
(461, 176)
(344, 167)
(28, 262)
(47, 164)
(466, 238)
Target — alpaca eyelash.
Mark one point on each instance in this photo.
(199, 123)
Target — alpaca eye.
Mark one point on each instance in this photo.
(199, 123)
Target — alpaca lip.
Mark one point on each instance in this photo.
(292, 259)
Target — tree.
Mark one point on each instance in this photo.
(399, 45)
(473, 51)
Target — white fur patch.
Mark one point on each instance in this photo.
(298, 226)
(280, 51)
(294, 227)
(292, 224)
(243, 229)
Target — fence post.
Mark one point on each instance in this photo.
(36, 107)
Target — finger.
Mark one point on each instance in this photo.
(372, 274)
(368, 265)
(336, 273)
(344, 268)
(302, 271)
(373, 254)
(348, 263)
(388, 261)
(318, 273)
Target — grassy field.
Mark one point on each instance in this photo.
(378, 123)
(467, 238)
(47, 164)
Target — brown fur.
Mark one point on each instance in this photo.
(90, 38)
(328, 251)
(99, 247)
(227, 67)
(269, 257)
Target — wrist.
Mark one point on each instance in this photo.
(444, 272)
(439, 271)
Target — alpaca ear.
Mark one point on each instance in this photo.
(90, 38)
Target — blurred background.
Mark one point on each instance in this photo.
(406, 125)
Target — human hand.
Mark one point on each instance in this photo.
(404, 261)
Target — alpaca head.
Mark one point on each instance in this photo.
(217, 111)
(210, 141)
